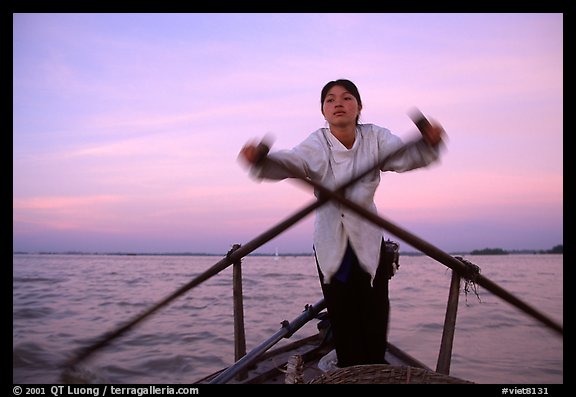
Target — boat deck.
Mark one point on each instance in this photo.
(273, 367)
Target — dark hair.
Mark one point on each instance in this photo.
(348, 85)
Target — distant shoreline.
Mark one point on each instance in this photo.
(555, 250)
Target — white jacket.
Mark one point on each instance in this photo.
(323, 159)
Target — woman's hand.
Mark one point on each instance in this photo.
(433, 132)
(252, 152)
(249, 153)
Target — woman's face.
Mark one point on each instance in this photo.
(340, 107)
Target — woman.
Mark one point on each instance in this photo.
(353, 273)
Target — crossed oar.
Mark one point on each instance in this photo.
(324, 196)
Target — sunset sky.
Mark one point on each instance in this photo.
(127, 127)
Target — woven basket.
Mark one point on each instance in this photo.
(383, 374)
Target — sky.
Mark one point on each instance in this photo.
(127, 127)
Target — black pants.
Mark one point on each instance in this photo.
(359, 314)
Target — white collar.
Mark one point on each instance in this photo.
(341, 153)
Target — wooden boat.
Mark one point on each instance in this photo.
(311, 360)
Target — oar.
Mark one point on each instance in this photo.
(427, 248)
(235, 256)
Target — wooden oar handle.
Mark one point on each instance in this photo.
(419, 119)
(263, 147)
(261, 152)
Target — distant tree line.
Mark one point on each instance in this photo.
(489, 251)
(558, 249)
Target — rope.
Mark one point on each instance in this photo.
(470, 275)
